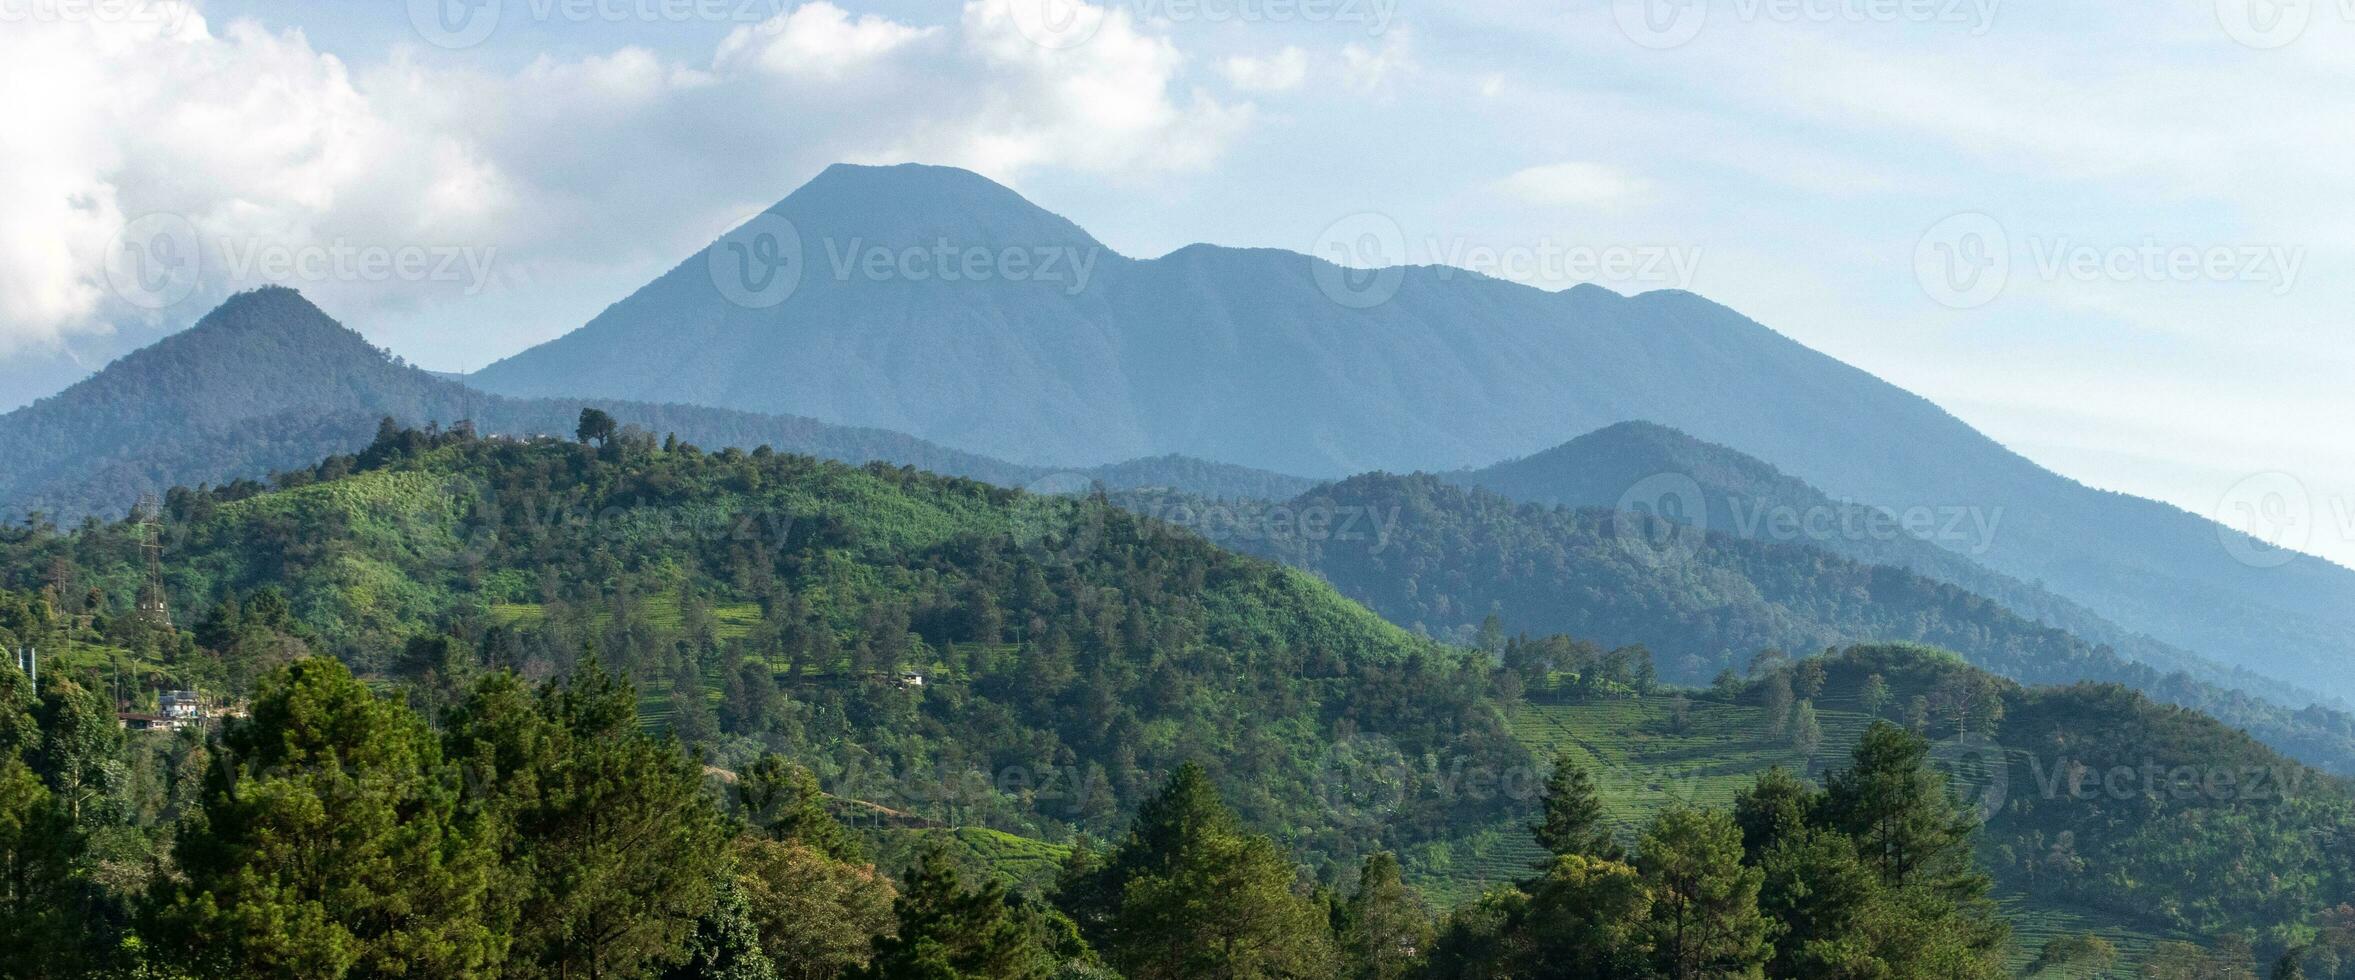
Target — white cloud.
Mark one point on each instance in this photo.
(572, 178)
(1372, 68)
(1577, 184)
(1278, 72)
(818, 40)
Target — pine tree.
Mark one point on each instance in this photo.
(783, 800)
(949, 932)
(1899, 811)
(1778, 807)
(1705, 918)
(330, 843)
(1192, 895)
(40, 850)
(1574, 821)
(1386, 928)
(612, 846)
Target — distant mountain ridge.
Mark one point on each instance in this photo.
(1748, 498)
(270, 382)
(1241, 356)
(1434, 555)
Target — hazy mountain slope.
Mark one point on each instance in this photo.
(1239, 356)
(1432, 555)
(269, 382)
(1642, 465)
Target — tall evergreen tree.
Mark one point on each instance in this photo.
(1385, 927)
(1573, 820)
(1906, 823)
(1193, 895)
(613, 847)
(949, 932)
(330, 844)
(1705, 918)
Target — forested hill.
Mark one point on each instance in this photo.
(896, 631)
(1640, 465)
(1434, 556)
(268, 382)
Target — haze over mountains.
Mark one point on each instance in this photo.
(1239, 356)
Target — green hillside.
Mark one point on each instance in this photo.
(1066, 653)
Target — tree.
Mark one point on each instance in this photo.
(1874, 696)
(1189, 894)
(817, 916)
(949, 932)
(40, 851)
(1385, 927)
(1899, 811)
(1777, 808)
(80, 748)
(1586, 919)
(1806, 730)
(1573, 820)
(1822, 899)
(330, 843)
(726, 942)
(595, 426)
(783, 800)
(1775, 693)
(613, 848)
(1705, 918)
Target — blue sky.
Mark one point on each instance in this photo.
(2116, 237)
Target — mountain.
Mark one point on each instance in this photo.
(1244, 356)
(268, 382)
(1745, 497)
(1441, 558)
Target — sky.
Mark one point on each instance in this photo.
(2116, 237)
